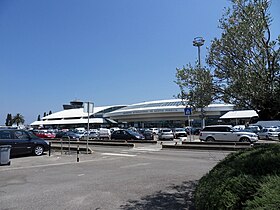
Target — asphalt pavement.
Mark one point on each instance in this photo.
(142, 177)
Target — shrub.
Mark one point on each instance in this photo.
(267, 196)
(235, 182)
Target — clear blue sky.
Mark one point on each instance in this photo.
(106, 51)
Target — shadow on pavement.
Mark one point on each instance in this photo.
(174, 197)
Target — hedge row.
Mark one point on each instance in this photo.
(247, 179)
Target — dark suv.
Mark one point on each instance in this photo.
(23, 142)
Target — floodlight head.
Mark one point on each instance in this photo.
(198, 41)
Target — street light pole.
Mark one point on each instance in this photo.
(198, 42)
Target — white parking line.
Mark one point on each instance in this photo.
(118, 154)
(146, 149)
(45, 165)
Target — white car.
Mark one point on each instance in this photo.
(154, 130)
(269, 133)
(165, 133)
(180, 132)
(226, 133)
(104, 133)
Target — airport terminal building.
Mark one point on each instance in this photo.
(160, 113)
(166, 113)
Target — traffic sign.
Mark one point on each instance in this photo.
(188, 111)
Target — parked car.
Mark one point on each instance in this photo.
(93, 135)
(126, 135)
(269, 133)
(253, 129)
(226, 133)
(148, 134)
(23, 142)
(180, 132)
(165, 133)
(60, 134)
(104, 133)
(154, 130)
(44, 134)
(72, 135)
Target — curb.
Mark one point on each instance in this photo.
(207, 147)
(93, 143)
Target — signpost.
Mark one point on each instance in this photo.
(188, 113)
(88, 107)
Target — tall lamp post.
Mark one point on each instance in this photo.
(198, 42)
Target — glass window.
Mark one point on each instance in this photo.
(21, 135)
(5, 135)
(223, 129)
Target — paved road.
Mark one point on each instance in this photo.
(144, 177)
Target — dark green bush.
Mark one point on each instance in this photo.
(267, 196)
(237, 180)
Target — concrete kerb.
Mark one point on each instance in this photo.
(206, 147)
(83, 143)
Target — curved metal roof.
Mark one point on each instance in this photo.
(163, 106)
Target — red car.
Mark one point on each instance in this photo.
(44, 134)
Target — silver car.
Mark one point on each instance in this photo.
(166, 134)
(269, 133)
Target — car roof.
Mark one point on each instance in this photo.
(219, 126)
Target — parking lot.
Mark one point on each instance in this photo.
(143, 177)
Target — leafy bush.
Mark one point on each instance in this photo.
(239, 181)
(267, 196)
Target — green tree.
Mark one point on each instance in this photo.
(9, 120)
(244, 62)
(18, 119)
(196, 86)
(246, 59)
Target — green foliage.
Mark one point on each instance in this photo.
(267, 196)
(246, 60)
(244, 63)
(18, 119)
(195, 85)
(9, 120)
(238, 181)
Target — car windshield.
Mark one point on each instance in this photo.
(166, 130)
(179, 129)
(133, 133)
(32, 135)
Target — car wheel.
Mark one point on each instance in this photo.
(244, 139)
(38, 150)
(210, 139)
